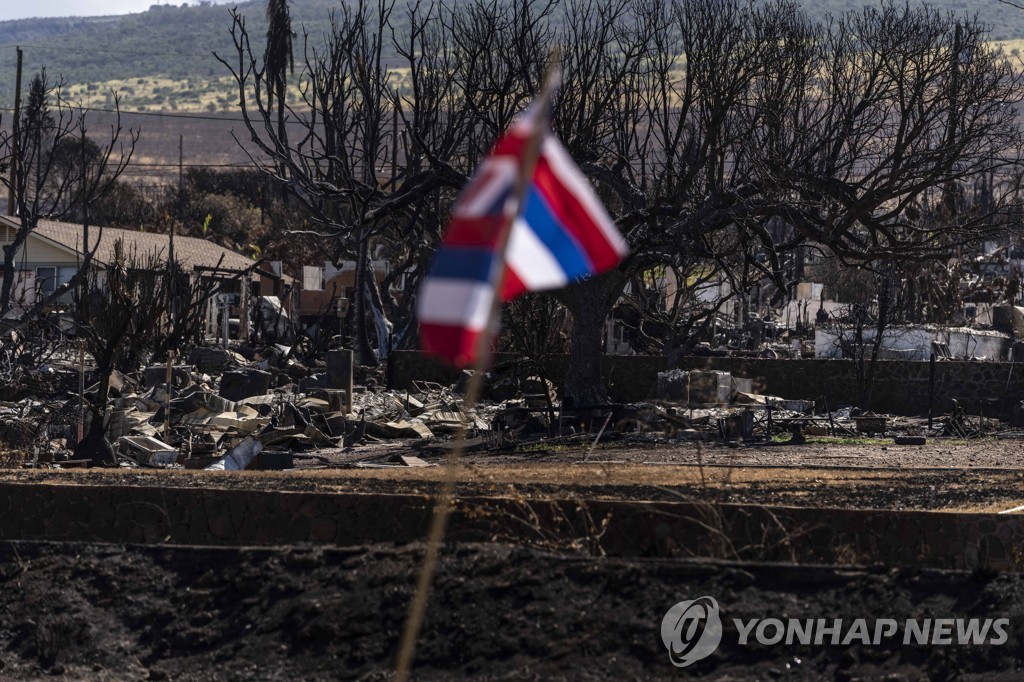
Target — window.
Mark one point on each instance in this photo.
(65, 273)
(46, 280)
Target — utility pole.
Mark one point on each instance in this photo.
(16, 128)
(171, 270)
(394, 141)
(959, 57)
(181, 163)
(171, 280)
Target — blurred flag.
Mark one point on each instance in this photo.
(560, 234)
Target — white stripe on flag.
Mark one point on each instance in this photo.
(531, 260)
(496, 176)
(568, 172)
(457, 302)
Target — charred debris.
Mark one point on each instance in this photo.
(246, 408)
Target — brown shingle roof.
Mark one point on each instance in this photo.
(190, 252)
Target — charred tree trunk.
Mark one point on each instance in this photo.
(884, 318)
(382, 328)
(10, 272)
(94, 446)
(361, 341)
(588, 302)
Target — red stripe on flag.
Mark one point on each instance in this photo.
(481, 231)
(574, 217)
(513, 286)
(510, 144)
(455, 344)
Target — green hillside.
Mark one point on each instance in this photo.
(174, 90)
(1006, 21)
(165, 42)
(162, 59)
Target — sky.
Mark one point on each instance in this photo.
(22, 9)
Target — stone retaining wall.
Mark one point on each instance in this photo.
(901, 387)
(210, 516)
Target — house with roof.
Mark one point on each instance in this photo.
(53, 252)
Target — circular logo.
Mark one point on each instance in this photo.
(691, 630)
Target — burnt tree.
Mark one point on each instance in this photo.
(60, 171)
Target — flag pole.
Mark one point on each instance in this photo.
(446, 497)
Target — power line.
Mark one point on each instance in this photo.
(134, 53)
(190, 165)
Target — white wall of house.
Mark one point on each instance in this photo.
(44, 267)
(39, 252)
(312, 278)
(915, 343)
(807, 311)
(614, 338)
(380, 267)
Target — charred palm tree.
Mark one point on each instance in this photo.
(279, 61)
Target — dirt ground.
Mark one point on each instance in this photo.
(502, 612)
(954, 475)
(498, 612)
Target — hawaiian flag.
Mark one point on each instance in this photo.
(561, 234)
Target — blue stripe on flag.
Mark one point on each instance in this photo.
(454, 262)
(498, 206)
(541, 219)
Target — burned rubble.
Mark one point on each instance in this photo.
(246, 408)
(230, 408)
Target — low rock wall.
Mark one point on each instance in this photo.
(211, 516)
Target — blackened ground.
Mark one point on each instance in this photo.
(498, 612)
(103, 612)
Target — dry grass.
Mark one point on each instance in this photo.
(977, 476)
(191, 95)
(153, 94)
(1013, 47)
(498, 474)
